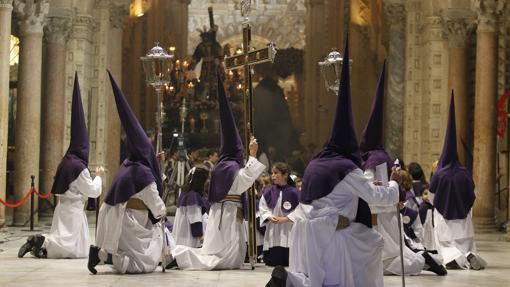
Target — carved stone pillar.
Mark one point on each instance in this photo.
(31, 15)
(395, 15)
(5, 33)
(484, 165)
(54, 99)
(178, 20)
(314, 84)
(458, 31)
(118, 14)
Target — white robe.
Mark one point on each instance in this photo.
(417, 228)
(387, 226)
(455, 238)
(320, 255)
(69, 234)
(128, 234)
(429, 237)
(223, 248)
(277, 235)
(184, 217)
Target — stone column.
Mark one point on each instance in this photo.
(118, 14)
(313, 83)
(178, 20)
(31, 15)
(395, 15)
(5, 33)
(458, 30)
(484, 165)
(54, 99)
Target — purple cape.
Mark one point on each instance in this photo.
(452, 184)
(192, 198)
(375, 157)
(231, 151)
(141, 167)
(418, 188)
(341, 154)
(289, 194)
(76, 158)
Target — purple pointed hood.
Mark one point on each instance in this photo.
(141, 167)
(452, 184)
(76, 158)
(341, 154)
(371, 144)
(231, 150)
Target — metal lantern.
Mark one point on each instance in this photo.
(157, 65)
(331, 68)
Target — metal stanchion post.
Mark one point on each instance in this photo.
(32, 203)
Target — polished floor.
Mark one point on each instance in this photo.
(30, 271)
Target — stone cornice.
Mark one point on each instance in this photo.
(83, 27)
(57, 30)
(457, 31)
(312, 3)
(118, 15)
(5, 4)
(488, 12)
(395, 13)
(31, 15)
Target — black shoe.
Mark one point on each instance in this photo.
(278, 277)
(93, 258)
(27, 247)
(172, 264)
(452, 265)
(38, 250)
(474, 263)
(433, 265)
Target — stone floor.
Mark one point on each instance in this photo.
(30, 271)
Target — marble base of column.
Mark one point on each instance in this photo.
(484, 224)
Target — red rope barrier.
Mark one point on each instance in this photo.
(40, 195)
(9, 205)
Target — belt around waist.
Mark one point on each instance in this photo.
(233, 198)
(343, 222)
(135, 203)
(374, 219)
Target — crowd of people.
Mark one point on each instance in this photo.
(335, 223)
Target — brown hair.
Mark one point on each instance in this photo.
(196, 181)
(284, 168)
(407, 180)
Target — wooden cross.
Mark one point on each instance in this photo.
(246, 60)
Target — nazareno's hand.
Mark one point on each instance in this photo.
(254, 146)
